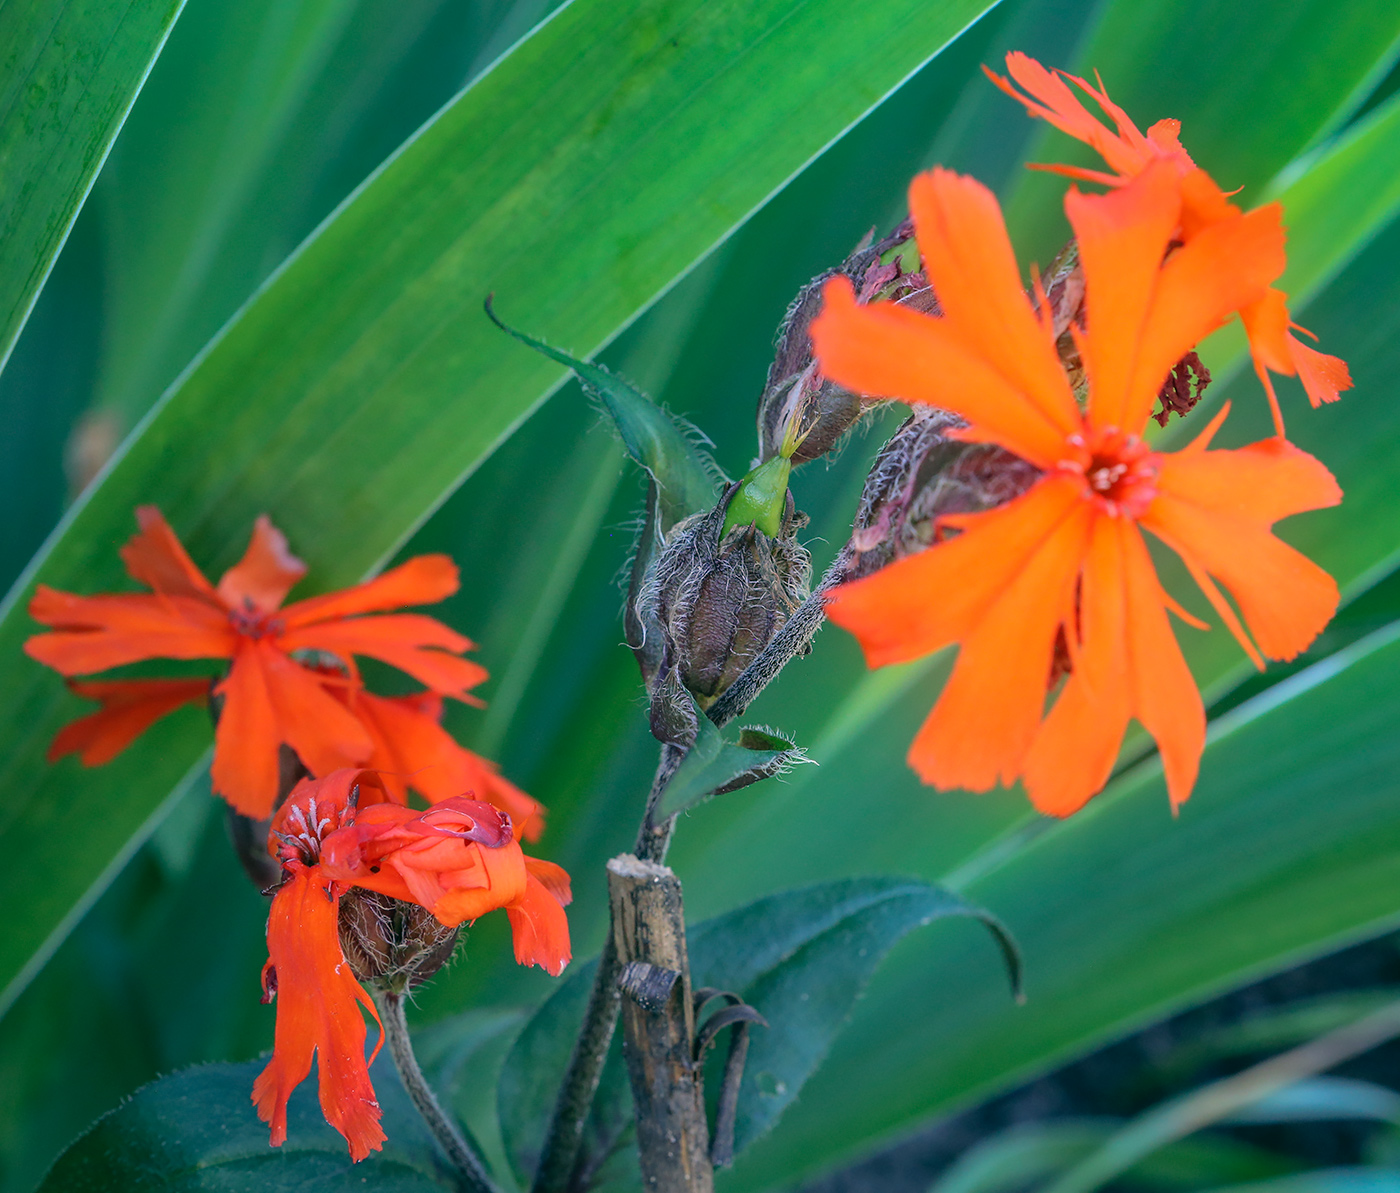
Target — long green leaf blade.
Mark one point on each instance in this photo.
(68, 75)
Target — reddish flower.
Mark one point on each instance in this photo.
(459, 859)
(268, 697)
(411, 749)
(129, 708)
(1067, 560)
(1128, 152)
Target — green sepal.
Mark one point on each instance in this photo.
(686, 478)
(714, 766)
(761, 498)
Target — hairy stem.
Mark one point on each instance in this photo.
(787, 644)
(474, 1178)
(559, 1159)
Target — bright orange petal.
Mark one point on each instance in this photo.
(156, 558)
(1266, 324)
(98, 632)
(265, 574)
(1076, 746)
(1126, 151)
(318, 1013)
(1216, 508)
(412, 642)
(413, 749)
(972, 268)
(891, 351)
(423, 580)
(244, 770)
(323, 732)
(1324, 377)
(129, 708)
(1164, 694)
(925, 602)
(1228, 266)
(1122, 236)
(540, 928)
(988, 714)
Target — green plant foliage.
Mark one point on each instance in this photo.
(349, 421)
(1021, 1156)
(684, 477)
(713, 766)
(1286, 846)
(801, 958)
(68, 76)
(197, 1130)
(363, 382)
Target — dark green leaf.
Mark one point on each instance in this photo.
(68, 75)
(802, 958)
(1024, 1156)
(197, 1130)
(685, 477)
(714, 766)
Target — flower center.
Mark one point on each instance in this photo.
(1121, 473)
(252, 622)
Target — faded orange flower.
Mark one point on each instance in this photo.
(268, 698)
(1128, 152)
(1067, 560)
(459, 860)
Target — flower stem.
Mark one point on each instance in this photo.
(559, 1158)
(472, 1171)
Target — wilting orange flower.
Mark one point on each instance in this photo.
(1127, 153)
(1067, 560)
(268, 697)
(459, 859)
(412, 749)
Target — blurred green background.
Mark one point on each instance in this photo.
(260, 117)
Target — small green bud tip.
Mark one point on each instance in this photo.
(761, 498)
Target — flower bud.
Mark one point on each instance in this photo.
(721, 591)
(800, 407)
(394, 944)
(922, 475)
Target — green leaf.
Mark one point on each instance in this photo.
(577, 178)
(684, 476)
(68, 75)
(802, 958)
(713, 766)
(1024, 1156)
(197, 1130)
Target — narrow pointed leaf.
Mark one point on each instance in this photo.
(684, 476)
(68, 75)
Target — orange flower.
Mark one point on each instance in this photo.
(1128, 152)
(459, 859)
(268, 697)
(1067, 560)
(411, 749)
